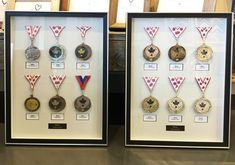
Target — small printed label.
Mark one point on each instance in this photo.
(82, 116)
(57, 116)
(176, 67)
(57, 65)
(150, 66)
(202, 67)
(31, 65)
(83, 65)
(175, 118)
(201, 119)
(175, 128)
(32, 116)
(149, 118)
(57, 126)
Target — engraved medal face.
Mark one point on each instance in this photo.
(83, 52)
(204, 53)
(32, 104)
(57, 103)
(177, 53)
(57, 53)
(150, 104)
(175, 105)
(32, 53)
(82, 103)
(151, 53)
(202, 105)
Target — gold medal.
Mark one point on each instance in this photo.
(32, 104)
(202, 105)
(175, 105)
(204, 53)
(177, 53)
(83, 52)
(150, 104)
(151, 53)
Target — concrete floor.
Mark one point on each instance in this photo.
(114, 154)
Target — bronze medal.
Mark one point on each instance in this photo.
(83, 52)
(175, 105)
(202, 105)
(150, 104)
(204, 53)
(82, 103)
(57, 103)
(151, 53)
(32, 104)
(32, 53)
(177, 53)
(57, 53)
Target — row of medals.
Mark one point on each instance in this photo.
(57, 53)
(177, 53)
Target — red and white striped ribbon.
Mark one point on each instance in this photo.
(83, 30)
(203, 82)
(57, 30)
(57, 80)
(204, 31)
(150, 82)
(32, 79)
(32, 31)
(151, 31)
(177, 31)
(176, 82)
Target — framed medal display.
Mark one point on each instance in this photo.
(178, 90)
(56, 79)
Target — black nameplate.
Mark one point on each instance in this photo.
(175, 127)
(57, 126)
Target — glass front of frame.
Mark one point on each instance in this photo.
(47, 114)
(183, 122)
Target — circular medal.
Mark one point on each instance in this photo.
(83, 51)
(177, 53)
(151, 53)
(57, 52)
(150, 104)
(32, 53)
(204, 53)
(32, 103)
(175, 105)
(82, 103)
(57, 103)
(202, 105)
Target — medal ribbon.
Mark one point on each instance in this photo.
(204, 31)
(177, 31)
(203, 82)
(176, 82)
(151, 31)
(32, 31)
(83, 30)
(82, 81)
(57, 30)
(32, 79)
(57, 80)
(150, 82)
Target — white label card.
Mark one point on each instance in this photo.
(176, 67)
(82, 116)
(149, 118)
(175, 118)
(83, 65)
(150, 66)
(89, 5)
(57, 65)
(57, 116)
(202, 67)
(180, 6)
(32, 116)
(31, 65)
(33, 6)
(201, 119)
